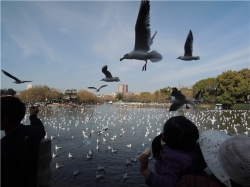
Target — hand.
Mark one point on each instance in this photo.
(33, 110)
(143, 159)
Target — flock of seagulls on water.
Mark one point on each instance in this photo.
(111, 138)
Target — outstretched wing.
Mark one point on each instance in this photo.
(11, 76)
(189, 44)
(177, 94)
(142, 28)
(92, 88)
(102, 86)
(85, 141)
(175, 107)
(198, 95)
(106, 72)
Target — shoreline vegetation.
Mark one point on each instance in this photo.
(241, 106)
(231, 89)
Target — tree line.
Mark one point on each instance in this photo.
(228, 88)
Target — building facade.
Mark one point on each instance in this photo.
(123, 88)
(29, 86)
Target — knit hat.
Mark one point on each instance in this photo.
(227, 157)
(234, 157)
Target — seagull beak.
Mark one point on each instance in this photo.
(121, 59)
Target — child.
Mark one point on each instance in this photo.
(179, 154)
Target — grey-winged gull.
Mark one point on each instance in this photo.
(17, 81)
(97, 89)
(143, 39)
(188, 47)
(198, 97)
(178, 100)
(108, 75)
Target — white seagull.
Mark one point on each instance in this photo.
(97, 89)
(143, 39)
(108, 75)
(178, 100)
(188, 47)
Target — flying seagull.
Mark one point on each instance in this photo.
(97, 90)
(198, 97)
(86, 141)
(189, 49)
(108, 75)
(178, 100)
(17, 81)
(143, 39)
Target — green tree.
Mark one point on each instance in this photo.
(231, 88)
(145, 97)
(119, 96)
(209, 88)
(246, 82)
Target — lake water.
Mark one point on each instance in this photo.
(135, 126)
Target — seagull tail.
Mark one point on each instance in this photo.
(191, 102)
(154, 56)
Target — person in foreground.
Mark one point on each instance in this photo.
(176, 153)
(227, 157)
(20, 145)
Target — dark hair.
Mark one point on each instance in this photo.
(12, 109)
(178, 133)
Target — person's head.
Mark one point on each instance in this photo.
(12, 112)
(178, 133)
(227, 157)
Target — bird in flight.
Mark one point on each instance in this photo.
(188, 47)
(143, 39)
(86, 141)
(97, 90)
(17, 81)
(178, 100)
(108, 75)
(198, 97)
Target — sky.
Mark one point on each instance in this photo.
(64, 45)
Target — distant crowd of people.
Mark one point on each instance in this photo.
(183, 158)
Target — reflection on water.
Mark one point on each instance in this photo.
(135, 126)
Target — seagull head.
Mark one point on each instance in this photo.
(124, 57)
(117, 79)
(179, 57)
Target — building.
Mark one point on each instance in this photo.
(29, 86)
(123, 88)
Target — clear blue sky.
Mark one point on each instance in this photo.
(64, 45)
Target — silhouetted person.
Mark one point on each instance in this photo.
(20, 146)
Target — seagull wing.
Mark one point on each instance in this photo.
(85, 141)
(102, 86)
(177, 94)
(26, 81)
(92, 88)
(175, 107)
(106, 72)
(142, 28)
(11, 76)
(189, 44)
(198, 95)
